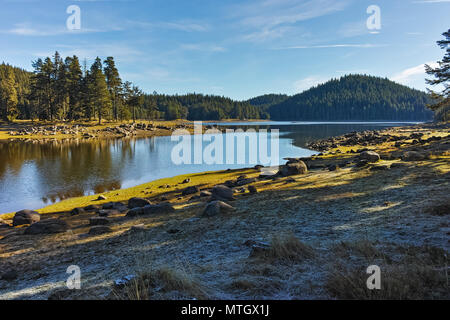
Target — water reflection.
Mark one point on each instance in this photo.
(34, 174)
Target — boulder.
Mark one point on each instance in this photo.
(252, 189)
(205, 194)
(190, 190)
(242, 182)
(412, 156)
(216, 207)
(97, 230)
(9, 275)
(369, 156)
(3, 224)
(137, 228)
(99, 221)
(135, 212)
(77, 211)
(161, 208)
(48, 226)
(295, 168)
(221, 192)
(138, 203)
(92, 207)
(26, 217)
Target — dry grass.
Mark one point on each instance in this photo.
(286, 249)
(420, 273)
(160, 284)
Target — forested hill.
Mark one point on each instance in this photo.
(355, 97)
(267, 100)
(60, 89)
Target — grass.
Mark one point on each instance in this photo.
(287, 249)
(148, 190)
(162, 283)
(417, 273)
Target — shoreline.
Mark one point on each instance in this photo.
(344, 213)
(122, 193)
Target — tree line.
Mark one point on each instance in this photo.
(64, 89)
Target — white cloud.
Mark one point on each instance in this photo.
(411, 75)
(307, 83)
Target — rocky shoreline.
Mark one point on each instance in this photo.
(376, 197)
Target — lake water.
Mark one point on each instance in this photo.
(35, 174)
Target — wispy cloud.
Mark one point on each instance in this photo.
(26, 29)
(330, 46)
(409, 75)
(307, 83)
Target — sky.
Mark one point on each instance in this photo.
(239, 49)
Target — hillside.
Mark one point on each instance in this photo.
(354, 97)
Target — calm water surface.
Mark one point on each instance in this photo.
(34, 174)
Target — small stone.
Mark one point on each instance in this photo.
(252, 189)
(138, 203)
(216, 207)
(48, 226)
(26, 217)
(369, 156)
(138, 228)
(190, 190)
(221, 192)
(77, 211)
(101, 197)
(10, 275)
(97, 230)
(99, 221)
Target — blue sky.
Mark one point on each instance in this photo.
(234, 48)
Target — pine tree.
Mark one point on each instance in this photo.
(74, 82)
(114, 84)
(98, 90)
(442, 77)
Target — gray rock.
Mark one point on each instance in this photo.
(137, 228)
(295, 168)
(99, 221)
(205, 194)
(412, 156)
(97, 230)
(26, 217)
(190, 190)
(138, 203)
(242, 182)
(252, 189)
(221, 192)
(101, 197)
(369, 156)
(48, 226)
(92, 207)
(77, 211)
(161, 208)
(135, 212)
(9, 275)
(217, 207)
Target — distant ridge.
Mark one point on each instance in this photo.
(350, 98)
